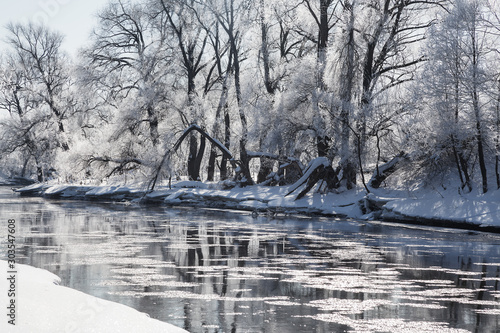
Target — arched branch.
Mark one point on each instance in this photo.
(178, 143)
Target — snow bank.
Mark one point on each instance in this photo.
(459, 209)
(472, 211)
(44, 306)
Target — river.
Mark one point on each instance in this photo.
(224, 271)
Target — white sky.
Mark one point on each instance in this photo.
(73, 18)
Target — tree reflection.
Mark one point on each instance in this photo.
(210, 271)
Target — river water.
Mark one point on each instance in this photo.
(223, 271)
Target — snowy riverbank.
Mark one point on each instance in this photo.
(429, 207)
(39, 304)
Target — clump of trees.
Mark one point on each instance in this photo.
(362, 87)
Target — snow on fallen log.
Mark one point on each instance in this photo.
(33, 190)
(318, 169)
(313, 165)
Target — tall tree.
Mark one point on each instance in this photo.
(36, 50)
(445, 90)
(192, 40)
(27, 130)
(230, 14)
(458, 57)
(324, 14)
(127, 55)
(36, 91)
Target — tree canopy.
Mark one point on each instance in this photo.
(269, 86)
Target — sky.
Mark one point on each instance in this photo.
(73, 18)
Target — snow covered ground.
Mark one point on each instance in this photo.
(41, 305)
(482, 210)
(467, 210)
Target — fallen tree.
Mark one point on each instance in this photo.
(318, 169)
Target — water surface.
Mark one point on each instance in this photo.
(219, 271)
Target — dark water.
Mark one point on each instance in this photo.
(213, 271)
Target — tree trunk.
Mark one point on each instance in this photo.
(475, 103)
(265, 51)
(323, 30)
(39, 173)
(480, 153)
(199, 158)
(153, 125)
(322, 145)
(385, 170)
(245, 166)
(193, 152)
(347, 165)
(266, 167)
(25, 166)
(211, 164)
(463, 170)
(222, 105)
(227, 144)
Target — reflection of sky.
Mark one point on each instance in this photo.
(73, 18)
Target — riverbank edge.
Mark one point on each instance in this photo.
(361, 207)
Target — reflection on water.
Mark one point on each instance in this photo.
(212, 271)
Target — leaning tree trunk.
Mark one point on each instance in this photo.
(385, 170)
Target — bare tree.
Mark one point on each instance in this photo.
(230, 14)
(19, 132)
(36, 51)
(128, 54)
(192, 40)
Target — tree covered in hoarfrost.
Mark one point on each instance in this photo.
(277, 83)
(191, 43)
(36, 91)
(128, 65)
(458, 93)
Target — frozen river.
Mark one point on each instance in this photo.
(215, 271)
